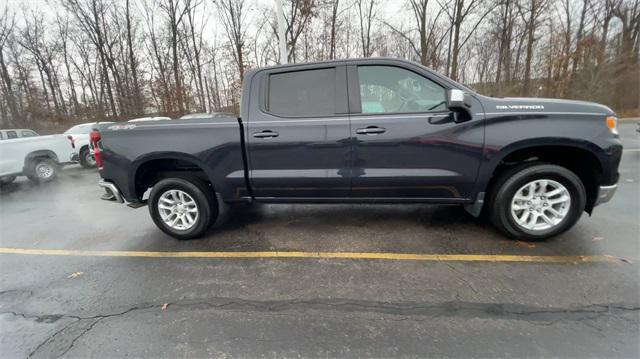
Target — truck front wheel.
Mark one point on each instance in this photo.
(536, 201)
(183, 208)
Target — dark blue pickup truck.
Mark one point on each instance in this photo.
(370, 130)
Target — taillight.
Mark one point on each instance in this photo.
(73, 142)
(94, 137)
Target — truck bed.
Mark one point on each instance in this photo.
(204, 143)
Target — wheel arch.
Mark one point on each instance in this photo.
(149, 169)
(581, 157)
(39, 154)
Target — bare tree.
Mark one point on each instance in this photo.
(297, 18)
(175, 10)
(531, 15)
(366, 14)
(335, 5)
(7, 24)
(133, 61)
(159, 63)
(458, 12)
(233, 16)
(505, 24)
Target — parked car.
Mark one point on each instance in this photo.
(37, 157)
(17, 133)
(80, 135)
(206, 115)
(370, 131)
(145, 119)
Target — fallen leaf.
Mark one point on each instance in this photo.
(621, 259)
(597, 238)
(525, 244)
(75, 274)
(164, 306)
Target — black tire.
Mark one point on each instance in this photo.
(7, 180)
(201, 193)
(34, 170)
(86, 158)
(505, 188)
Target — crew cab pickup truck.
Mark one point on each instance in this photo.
(369, 130)
(37, 157)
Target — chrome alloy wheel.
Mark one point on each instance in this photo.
(44, 170)
(177, 209)
(540, 205)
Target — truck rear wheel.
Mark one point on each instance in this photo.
(86, 158)
(183, 208)
(536, 201)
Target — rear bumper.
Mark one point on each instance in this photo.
(112, 193)
(605, 193)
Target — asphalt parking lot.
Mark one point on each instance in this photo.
(82, 277)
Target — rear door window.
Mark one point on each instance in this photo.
(12, 134)
(307, 93)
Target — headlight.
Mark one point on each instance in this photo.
(612, 124)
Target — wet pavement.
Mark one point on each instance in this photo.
(87, 305)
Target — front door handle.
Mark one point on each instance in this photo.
(370, 130)
(265, 134)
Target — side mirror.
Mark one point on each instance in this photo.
(458, 99)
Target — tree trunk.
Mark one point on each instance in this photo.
(103, 62)
(6, 79)
(334, 18)
(133, 64)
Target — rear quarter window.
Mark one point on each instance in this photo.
(28, 134)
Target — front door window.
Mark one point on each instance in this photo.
(388, 89)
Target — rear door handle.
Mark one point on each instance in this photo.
(370, 130)
(265, 134)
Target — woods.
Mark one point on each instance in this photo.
(70, 61)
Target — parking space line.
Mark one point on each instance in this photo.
(318, 255)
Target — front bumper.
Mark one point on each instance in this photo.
(605, 193)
